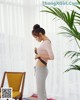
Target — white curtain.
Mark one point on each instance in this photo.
(17, 18)
(15, 45)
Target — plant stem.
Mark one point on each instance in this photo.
(77, 43)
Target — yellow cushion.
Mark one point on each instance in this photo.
(14, 81)
(16, 94)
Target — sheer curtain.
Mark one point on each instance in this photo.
(15, 47)
(17, 18)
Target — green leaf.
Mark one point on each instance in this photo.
(78, 7)
(72, 32)
(71, 19)
(78, 1)
(68, 52)
(69, 31)
(73, 67)
(76, 60)
(72, 54)
(66, 34)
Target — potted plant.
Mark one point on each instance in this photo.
(72, 19)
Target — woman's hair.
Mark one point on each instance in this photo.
(37, 29)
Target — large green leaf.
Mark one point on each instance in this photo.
(66, 17)
(71, 19)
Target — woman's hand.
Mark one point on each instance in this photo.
(35, 50)
(37, 56)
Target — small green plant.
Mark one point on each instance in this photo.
(72, 19)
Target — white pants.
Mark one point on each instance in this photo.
(41, 74)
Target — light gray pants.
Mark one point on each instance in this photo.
(41, 74)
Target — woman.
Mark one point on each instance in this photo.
(43, 54)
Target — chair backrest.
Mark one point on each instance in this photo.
(15, 80)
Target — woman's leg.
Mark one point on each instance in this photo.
(41, 74)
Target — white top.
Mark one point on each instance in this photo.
(46, 49)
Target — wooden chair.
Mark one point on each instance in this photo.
(16, 82)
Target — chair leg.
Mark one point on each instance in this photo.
(20, 98)
(15, 98)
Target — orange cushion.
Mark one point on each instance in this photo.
(14, 81)
(16, 94)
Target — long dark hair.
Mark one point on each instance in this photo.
(37, 29)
